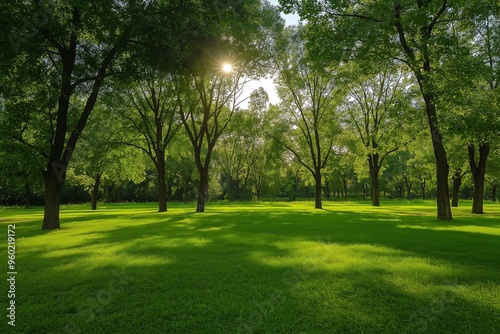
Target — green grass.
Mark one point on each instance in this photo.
(256, 268)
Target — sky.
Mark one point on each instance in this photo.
(267, 83)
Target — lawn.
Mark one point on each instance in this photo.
(255, 268)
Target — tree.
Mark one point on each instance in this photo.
(494, 172)
(418, 33)
(422, 163)
(307, 98)
(484, 125)
(209, 96)
(458, 163)
(101, 157)
(398, 173)
(154, 117)
(207, 103)
(380, 109)
(239, 150)
(74, 46)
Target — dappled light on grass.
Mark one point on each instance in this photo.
(495, 230)
(260, 268)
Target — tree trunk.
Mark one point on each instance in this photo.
(423, 183)
(95, 191)
(231, 190)
(162, 184)
(423, 75)
(27, 196)
(328, 191)
(478, 173)
(53, 186)
(409, 186)
(373, 164)
(186, 191)
(442, 168)
(494, 192)
(344, 184)
(457, 183)
(202, 190)
(109, 196)
(317, 177)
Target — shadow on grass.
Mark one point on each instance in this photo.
(262, 272)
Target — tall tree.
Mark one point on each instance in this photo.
(207, 102)
(154, 116)
(381, 112)
(483, 118)
(307, 98)
(215, 68)
(76, 46)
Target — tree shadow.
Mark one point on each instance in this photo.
(262, 272)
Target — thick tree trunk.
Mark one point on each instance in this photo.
(478, 173)
(202, 191)
(95, 191)
(318, 191)
(423, 75)
(457, 183)
(442, 168)
(53, 186)
(373, 163)
(162, 184)
(443, 192)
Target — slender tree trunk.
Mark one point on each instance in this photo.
(162, 184)
(186, 189)
(231, 189)
(408, 187)
(423, 185)
(344, 184)
(109, 197)
(27, 196)
(95, 191)
(328, 192)
(494, 192)
(119, 193)
(478, 173)
(457, 183)
(317, 177)
(53, 186)
(373, 163)
(258, 187)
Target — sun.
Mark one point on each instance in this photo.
(228, 68)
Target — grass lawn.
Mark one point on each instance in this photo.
(255, 268)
